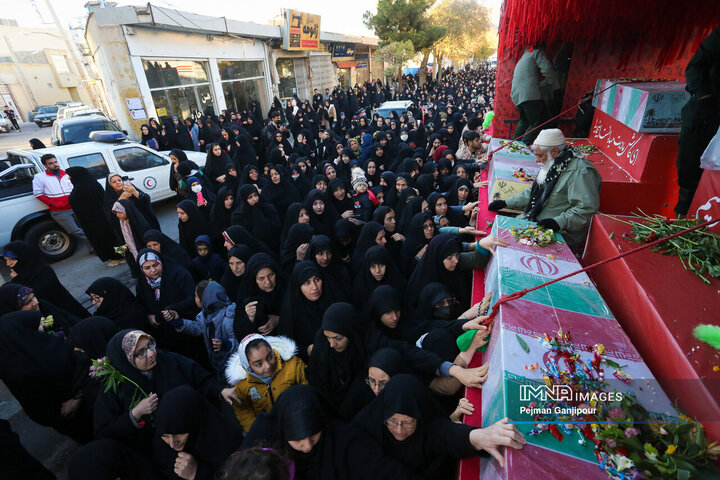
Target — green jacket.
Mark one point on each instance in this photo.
(573, 201)
(526, 77)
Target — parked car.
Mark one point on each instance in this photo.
(77, 130)
(397, 106)
(26, 218)
(5, 124)
(44, 115)
(85, 112)
(64, 110)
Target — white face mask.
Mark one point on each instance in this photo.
(403, 138)
(196, 188)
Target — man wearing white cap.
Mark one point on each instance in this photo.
(566, 192)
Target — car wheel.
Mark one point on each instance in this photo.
(39, 124)
(53, 241)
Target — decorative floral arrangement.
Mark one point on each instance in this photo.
(584, 149)
(533, 236)
(121, 249)
(515, 147)
(629, 442)
(101, 369)
(521, 174)
(47, 324)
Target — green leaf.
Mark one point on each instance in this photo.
(522, 343)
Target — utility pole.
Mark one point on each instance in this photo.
(72, 50)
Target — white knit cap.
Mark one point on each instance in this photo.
(551, 137)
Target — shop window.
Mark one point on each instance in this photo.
(243, 82)
(286, 72)
(174, 73)
(179, 87)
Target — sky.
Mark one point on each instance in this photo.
(339, 16)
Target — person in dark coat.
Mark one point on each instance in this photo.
(238, 257)
(210, 264)
(245, 153)
(237, 235)
(319, 447)
(86, 200)
(260, 297)
(322, 216)
(131, 229)
(296, 213)
(108, 459)
(371, 234)
(91, 335)
(306, 300)
(377, 268)
(191, 224)
(45, 375)
(406, 420)
(27, 268)
(167, 291)
(169, 248)
(221, 212)
(215, 164)
(118, 189)
(154, 372)
(258, 217)
(279, 191)
(192, 436)
(299, 236)
(15, 297)
(116, 302)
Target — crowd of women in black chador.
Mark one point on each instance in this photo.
(323, 261)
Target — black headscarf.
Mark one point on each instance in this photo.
(431, 269)
(195, 226)
(325, 223)
(245, 153)
(215, 165)
(229, 281)
(291, 218)
(221, 217)
(211, 441)
(344, 228)
(237, 235)
(455, 218)
(34, 273)
(268, 303)
(260, 219)
(141, 203)
(364, 283)
(336, 273)
(86, 200)
(107, 459)
(367, 239)
(42, 372)
(299, 234)
(412, 208)
(92, 335)
(119, 304)
(282, 194)
(300, 318)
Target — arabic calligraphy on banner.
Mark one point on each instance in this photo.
(302, 31)
(621, 145)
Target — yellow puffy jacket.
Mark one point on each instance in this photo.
(255, 396)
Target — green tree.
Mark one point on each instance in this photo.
(397, 54)
(468, 31)
(405, 21)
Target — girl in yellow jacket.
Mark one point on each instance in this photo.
(261, 369)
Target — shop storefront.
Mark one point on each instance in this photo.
(242, 83)
(179, 87)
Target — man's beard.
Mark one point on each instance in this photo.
(545, 168)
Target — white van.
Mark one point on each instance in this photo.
(23, 217)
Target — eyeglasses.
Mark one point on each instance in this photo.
(428, 226)
(380, 384)
(405, 426)
(142, 353)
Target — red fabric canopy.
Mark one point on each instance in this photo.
(622, 25)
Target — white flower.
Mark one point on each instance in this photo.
(651, 456)
(622, 462)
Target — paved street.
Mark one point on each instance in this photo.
(76, 273)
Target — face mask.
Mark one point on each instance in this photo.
(403, 138)
(196, 188)
(295, 176)
(443, 313)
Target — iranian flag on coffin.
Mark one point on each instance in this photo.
(572, 305)
(502, 183)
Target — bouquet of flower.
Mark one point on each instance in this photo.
(46, 323)
(121, 249)
(521, 174)
(101, 369)
(533, 236)
(515, 147)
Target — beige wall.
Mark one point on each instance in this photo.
(43, 84)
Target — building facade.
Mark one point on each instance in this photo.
(36, 69)
(158, 62)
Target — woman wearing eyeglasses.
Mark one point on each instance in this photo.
(125, 413)
(406, 420)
